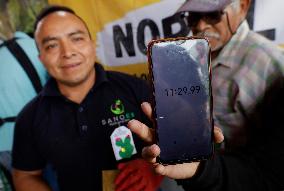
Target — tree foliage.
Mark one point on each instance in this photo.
(18, 15)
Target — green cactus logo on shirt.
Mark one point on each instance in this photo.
(126, 148)
(117, 108)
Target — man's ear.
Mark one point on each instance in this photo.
(94, 46)
(244, 7)
(39, 57)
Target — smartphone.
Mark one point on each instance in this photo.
(180, 76)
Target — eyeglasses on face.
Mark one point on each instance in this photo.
(192, 18)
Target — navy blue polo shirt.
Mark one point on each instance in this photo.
(75, 138)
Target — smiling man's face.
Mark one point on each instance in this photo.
(66, 48)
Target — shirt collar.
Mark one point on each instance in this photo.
(230, 50)
(101, 76)
(51, 88)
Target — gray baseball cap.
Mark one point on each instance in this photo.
(204, 5)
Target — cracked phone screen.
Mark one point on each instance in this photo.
(182, 101)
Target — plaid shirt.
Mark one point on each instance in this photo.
(241, 73)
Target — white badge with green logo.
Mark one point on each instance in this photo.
(122, 143)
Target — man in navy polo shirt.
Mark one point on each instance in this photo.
(77, 123)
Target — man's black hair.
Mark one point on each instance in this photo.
(54, 8)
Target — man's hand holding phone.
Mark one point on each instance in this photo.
(150, 153)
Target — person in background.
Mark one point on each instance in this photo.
(244, 64)
(77, 122)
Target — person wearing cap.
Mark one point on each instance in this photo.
(247, 83)
(77, 122)
(244, 63)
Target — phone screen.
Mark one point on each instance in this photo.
(180, 75)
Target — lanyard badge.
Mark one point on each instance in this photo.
(122, 143)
